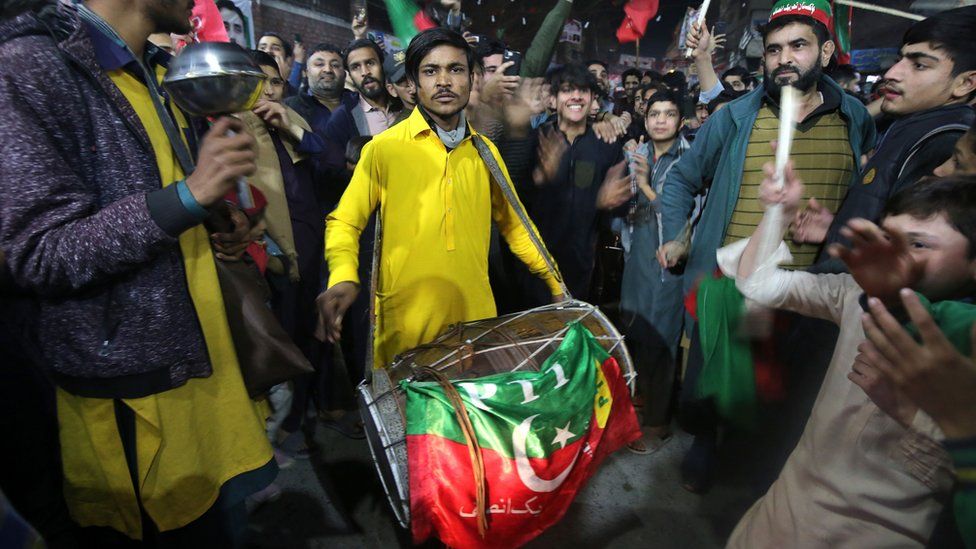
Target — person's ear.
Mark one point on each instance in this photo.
(391, 89)
(826, 52)
(963, 85)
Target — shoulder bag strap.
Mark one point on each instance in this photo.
(509, 193)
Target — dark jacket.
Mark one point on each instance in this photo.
(346, 122)
(911, 149)
(87, 231)
(718, 155)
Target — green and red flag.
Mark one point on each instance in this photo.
(408, 19)
(542, 435)
(842, 32)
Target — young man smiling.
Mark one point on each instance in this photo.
(573, 179)
(435, 200)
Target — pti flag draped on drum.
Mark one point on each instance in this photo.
(542, 434)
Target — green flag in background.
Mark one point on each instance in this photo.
(842, 32)
(542, 435)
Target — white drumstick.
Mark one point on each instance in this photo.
(787, 124)
(701, 21)
(774, 214)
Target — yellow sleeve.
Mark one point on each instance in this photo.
(515, 233)
(344, 225)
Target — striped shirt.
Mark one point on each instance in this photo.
(823, 158)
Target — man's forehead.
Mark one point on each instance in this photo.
(596, 67)
(271, 40)
(662, 106)
(445, 55)
(927, 49)
(791, 33)
(362, 54)
(936, 225)
(328, 56)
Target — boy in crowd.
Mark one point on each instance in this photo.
(867, 471)
(650, 299)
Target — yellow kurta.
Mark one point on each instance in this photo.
(436, 209)
(189, 440)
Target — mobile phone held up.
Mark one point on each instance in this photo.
(298, 38)
(516, 59)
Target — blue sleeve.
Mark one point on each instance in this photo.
(687, 178)
(311, 144)
(295, 78)
(706, 96)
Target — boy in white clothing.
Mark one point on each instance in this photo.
(868, 470)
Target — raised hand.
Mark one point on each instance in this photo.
(879, 261)
(615, 189)
(812, 223)
(222, 160)
(932, 374)
(866, 373)
(549, 155)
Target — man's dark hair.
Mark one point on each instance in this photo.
(654, 75)
(488, 46)
(603, 64)
(819, 30)
(739, 71)
(264, 59)
(666, 95)
(953, 196)
(324, 46)
(358, 44)
(727, 96)
(289, 52)
(844, 73)
(12, 8)
(228, 5)
(575, 76)
(425, 42)
(951, 31)
(630, 72)
(676, 81)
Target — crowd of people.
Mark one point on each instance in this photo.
(376, 224)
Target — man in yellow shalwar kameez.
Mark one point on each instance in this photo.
(436, 203)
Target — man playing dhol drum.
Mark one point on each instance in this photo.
(436, 203)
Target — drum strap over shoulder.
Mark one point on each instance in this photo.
(509, 193)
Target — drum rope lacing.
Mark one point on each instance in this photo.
(474, 448)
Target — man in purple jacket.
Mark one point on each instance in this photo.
(101, 212)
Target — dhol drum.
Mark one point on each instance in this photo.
(519, 341)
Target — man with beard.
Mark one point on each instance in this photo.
(326, 87)
(368, 112)
(928, 94)
(102, 211)
(436, 201)
(834, 131)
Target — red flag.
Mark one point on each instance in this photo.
(636, 15)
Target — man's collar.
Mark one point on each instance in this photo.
(419, 121)
(111, 54)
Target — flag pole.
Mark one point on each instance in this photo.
(637, 54)
(881, 9)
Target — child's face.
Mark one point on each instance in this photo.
(942, 254)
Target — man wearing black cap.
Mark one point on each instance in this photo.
(397, 83)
